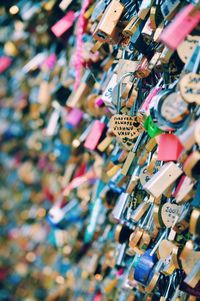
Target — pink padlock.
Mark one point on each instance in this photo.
(74, 117)
(5, 62)
(169, 147)
(95, 134)
(182, 25)
(180, 183)
(50, 61)
(63, 24)
(145, 105)
(99, 102)
(184, 190)
(97, 297)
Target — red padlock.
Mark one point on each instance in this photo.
(169, 147)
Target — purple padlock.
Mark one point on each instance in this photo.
(99, 102)
(74, 117)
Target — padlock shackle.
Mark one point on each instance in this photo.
(119, 90)
(156, 245)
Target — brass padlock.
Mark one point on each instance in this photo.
(159, 182)
(108, 29)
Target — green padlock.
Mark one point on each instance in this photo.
(151, 128)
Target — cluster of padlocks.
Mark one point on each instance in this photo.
(100, 129)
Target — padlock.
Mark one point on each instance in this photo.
(186, 48)
(53, 121)
(194, 222)
(60, 217)
(98, 10)
(182, 25)
(146, 263)
(120, 256)
(168, 9)
(134, 180)
(165, 249)
(152, 129)
(151, 167)
(74, 117)
(189, 257)
(125, 66)
(132, 26)
(64, 4)
(64, 24)
(190, 136)
(193, 60)
(169, 147)
(147, 30)
(140, 211)
(125, 126)
(78, 96)
(95, 135)
(144, 9)
(169, 110)
(122, 233)
(105, 143)
(95, 211)
(145, 105)
(132, 96)
(193, 292)
(166, 55)
(148, 232)
(35, 62)
(137, 41)
(5, 63)
(70, 168)
(193, 278)
(191, 165)
(131, 155)
(160, 181)
(44, 95)
(107, 94)
(113, 171)
(143, 226)
(169, 214)
(167, 290)
(135, 238)
(158, 32)
(184, 190)
(118, 210)
(108, 30)
(155, 15)
(61, 94)
(189, 83)
(143, 68)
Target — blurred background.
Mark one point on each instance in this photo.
(37, 249)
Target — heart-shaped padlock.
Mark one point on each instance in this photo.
(122, 125)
